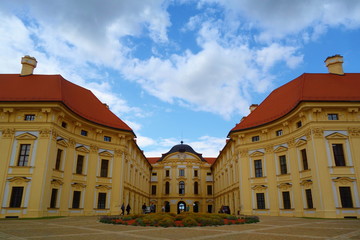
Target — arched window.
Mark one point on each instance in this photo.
(167, 188)
(196, 188)
(181, 187)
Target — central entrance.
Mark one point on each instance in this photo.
(181, 207)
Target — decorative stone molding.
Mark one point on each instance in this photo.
(354, 132)
(118, 153)
(317, 132)
(54, 134)
(284, 186)
(353, 110)
(57, 182)
(46, 110)
(72, 142)
(94, 148)
(78, 185)
(259, 187)
(285, 124)
(308, 134)
(300, 142)
(306, 183)
(9, 110)
(19, 180)
(45, 133)
(316, 110)
(8, 132)
(291, 142)
(269, 148)
(244, 153)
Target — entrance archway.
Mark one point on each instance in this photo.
(196, 206)
(181, 206)
(167, 206)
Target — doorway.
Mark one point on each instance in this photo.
(181, 207)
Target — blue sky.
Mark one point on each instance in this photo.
(180, 70)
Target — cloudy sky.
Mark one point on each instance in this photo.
(181, 69)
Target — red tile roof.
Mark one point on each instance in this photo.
(210, 160)
(54, 88)
(307, 87)
(153, 160)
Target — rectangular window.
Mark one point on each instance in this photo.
(333, 116)
(16, 197)
(181, 172)
(258, 168)
(196, 188)
(64, 124)
(255, 138)
(24, 154)
(286, 200)
(339, 156)
(304, 159)
(167, 188)
(84, 133)
(102, 201)
(283, 167)
(154, 174)
(209, 190)
(29, 117)
(299, 124)
(76, 199)
(104, 168)
(153, 189)
(195, 173)
(79, 164)
(58, 159)
(279, 133)
(167, 173)
(309, 198)
(260, 200)
(346, 199)
(53, 199)
(107, 139)
(208, 174)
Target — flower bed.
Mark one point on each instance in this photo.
(178, 220)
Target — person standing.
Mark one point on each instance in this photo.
(144, 208)
(128, 208)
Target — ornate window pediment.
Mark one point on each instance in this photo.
(103, 187)
(300, 142)
(306, 183)
(106, 154)
(26, 136)
(344, 180)
(336, 135)
(259, 187)
(19, 180)
(62, 142)
(280, 149)
(82, 149)
(78, 185)
(256, 154)
(285, 186)
(57, 182)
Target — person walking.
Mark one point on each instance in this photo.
(128, 208)
(122, 209)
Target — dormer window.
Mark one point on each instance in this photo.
(84, 133)
(64, 124)
(107, 139)
(298, 124)
(29, 117)
(255, 138)
(333, 116)
(279, 133)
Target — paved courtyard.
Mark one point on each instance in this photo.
(272, 228)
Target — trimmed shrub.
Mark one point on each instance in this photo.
(190, 222)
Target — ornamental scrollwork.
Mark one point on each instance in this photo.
(45, 132)
(8, 132)
(317, 132)
(354, 132)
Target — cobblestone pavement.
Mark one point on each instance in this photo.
(272, 228)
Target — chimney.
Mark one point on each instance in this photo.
(253, 107)
(28, 65)
(334, 64)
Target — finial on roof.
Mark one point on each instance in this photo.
(182, 142)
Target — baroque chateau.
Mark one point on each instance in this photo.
(64, 153)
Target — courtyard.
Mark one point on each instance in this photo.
(268, 228)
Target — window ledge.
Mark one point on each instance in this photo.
(14, 208)
(21, 166)
(76, 208)
(307, 170)
(101, 209)
(57, 170)
(79, 174)
(283, 175)
(309, 209)
(287, 209)
(341, 166)
(260, 209)
(53, 208)
(348, 208)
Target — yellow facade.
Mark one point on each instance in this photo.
(55, 163)
(182, 181)
(292, 166)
